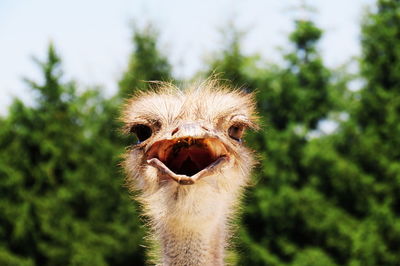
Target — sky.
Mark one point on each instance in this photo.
(93, 37)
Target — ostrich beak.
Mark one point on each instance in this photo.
(187, 159)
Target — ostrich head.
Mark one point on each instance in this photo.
(189, 165)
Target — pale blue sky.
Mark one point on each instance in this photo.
(93, 36)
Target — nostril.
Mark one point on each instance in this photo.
(174, 131)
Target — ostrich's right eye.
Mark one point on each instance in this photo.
(142, 132)
(236, 132)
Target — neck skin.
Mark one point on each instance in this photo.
(191, 222)
(200, 244)
(191, 226)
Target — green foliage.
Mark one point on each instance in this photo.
(299, 93)
(330, 200)
(147, 63)
(61, 198)
(231, 65)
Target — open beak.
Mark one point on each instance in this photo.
(187, 159)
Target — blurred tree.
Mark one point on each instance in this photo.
(231, 65)
(300, 92)
(60, 195)
(356, 169)
(370, 141)
(334, 200)
(146, 63)
(288, 221)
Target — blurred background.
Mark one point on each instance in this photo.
(327, 80)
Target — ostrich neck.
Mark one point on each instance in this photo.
(192, 223)
(194, 245)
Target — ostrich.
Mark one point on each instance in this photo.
(189, 166)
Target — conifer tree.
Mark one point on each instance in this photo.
(357, 168)
(284, 210)
(230, 64)
(146, 63)
(301, 95)
(62, 200)
(371, 137)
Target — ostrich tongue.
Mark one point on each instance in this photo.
(187, 156)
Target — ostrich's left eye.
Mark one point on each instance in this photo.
(236, 132)
(142, 132)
